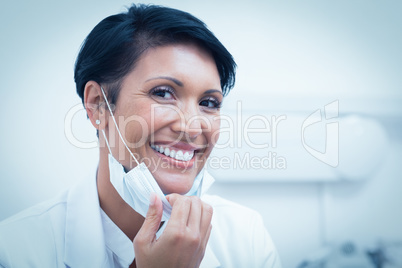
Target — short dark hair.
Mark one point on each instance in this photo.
(113, 47)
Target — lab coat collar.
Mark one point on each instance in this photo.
(84, 239)
(207, 182)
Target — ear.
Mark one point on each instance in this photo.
(93, 102)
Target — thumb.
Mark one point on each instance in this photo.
(152, 219)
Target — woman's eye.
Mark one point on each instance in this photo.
(165, 93)
(211, 103)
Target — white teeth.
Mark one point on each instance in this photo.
(187, 157)
(167, 152)
(184, 156)
(190, 156)
(179, 155)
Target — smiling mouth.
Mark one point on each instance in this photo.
(180, 155)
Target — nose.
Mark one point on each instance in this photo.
(189, 122)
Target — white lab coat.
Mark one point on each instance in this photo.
(67, 232)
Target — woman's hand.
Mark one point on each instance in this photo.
(184, 240)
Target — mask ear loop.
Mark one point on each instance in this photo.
(118, 131)
(107, 143)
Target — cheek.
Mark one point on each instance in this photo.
(160, 113)
(163, 115)
(213, 133)
(136, 125)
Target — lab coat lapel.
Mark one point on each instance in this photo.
(84, 240)
(209, 260)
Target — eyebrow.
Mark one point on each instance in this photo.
(209, 91)
(180, 84)
(174, 80)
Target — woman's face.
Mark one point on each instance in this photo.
(168, 113)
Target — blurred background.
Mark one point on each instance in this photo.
(323, 78)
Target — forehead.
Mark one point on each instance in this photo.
(182, 61)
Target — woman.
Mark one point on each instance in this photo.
(152, 81)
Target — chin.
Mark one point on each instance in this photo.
(174, 183)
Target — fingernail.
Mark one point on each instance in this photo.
(152, 199)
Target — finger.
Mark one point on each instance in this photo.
(152, 221)
(172, 198)
(180, 209)
(194, 219)
(206, 217)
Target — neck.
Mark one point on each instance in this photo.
(127, 219)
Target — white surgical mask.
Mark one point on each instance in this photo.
(135, 187)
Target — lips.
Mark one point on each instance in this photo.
(181, 155)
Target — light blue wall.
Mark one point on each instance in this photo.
(288, 52)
